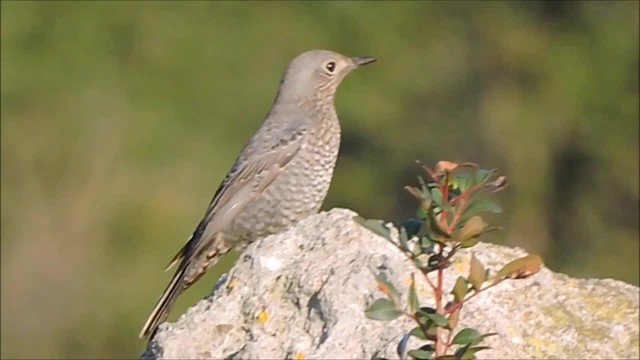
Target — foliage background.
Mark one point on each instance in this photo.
(119, 119)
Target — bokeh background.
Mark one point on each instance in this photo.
(119, 119)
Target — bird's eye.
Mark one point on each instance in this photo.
(331, 66)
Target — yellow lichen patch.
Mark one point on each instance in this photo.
(263, 316)
(535, 342)
(541, 347)
(460, 266)
(408, 281)
(298, 356)
(232, 283)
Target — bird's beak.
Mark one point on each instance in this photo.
(362, 60)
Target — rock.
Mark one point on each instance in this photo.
(302, 294)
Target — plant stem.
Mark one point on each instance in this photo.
(440, 345)
(461, 302)
(457, 214)
(433, 286)
(448, 343)
(453, 251)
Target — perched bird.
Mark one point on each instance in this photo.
(281, 176)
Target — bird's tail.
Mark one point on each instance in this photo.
(168, 297)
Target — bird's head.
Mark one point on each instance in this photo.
(317, 74)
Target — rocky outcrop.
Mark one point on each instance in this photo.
(302, 294)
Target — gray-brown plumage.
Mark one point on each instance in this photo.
(281, 176)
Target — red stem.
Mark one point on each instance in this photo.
(433, 286)
(441, 346)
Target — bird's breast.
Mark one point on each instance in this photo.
(299, 190)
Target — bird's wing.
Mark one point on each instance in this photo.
(249, 176)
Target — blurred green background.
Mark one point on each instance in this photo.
(119, 119)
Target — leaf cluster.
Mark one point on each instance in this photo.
(447, 219)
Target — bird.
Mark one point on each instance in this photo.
(281, 176)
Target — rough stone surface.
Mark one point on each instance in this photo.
(302, 294)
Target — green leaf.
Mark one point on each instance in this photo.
(453, 182)
(470, 242)
(420, 354)
(413, 297)
(383, 310)
(431, 329)
(417, 332)
(482, 175)
(460, 289)
(427, 245)
(434, 226)
(459, 353)
(427, 310)
(466, 336)
(387, 288)
(520, 268)
(422, 317)
(464, 182)
(474, 240)
(477, 273)
(377, 226)
(482, 205)
(421, 213)
(437, 319)
(436, 195)
(469, 352)
(422, 313)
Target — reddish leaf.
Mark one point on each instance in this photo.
(445, 166)
(520, 268)
(473, 227)
(453, 319)
(496, 185)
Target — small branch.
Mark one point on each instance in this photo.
(453, 251)
(433, 286)
(445, 190)
(457, 214)
(431, 173)
(459, 304)
(465, 195)
(440, 349)
(448, 343)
